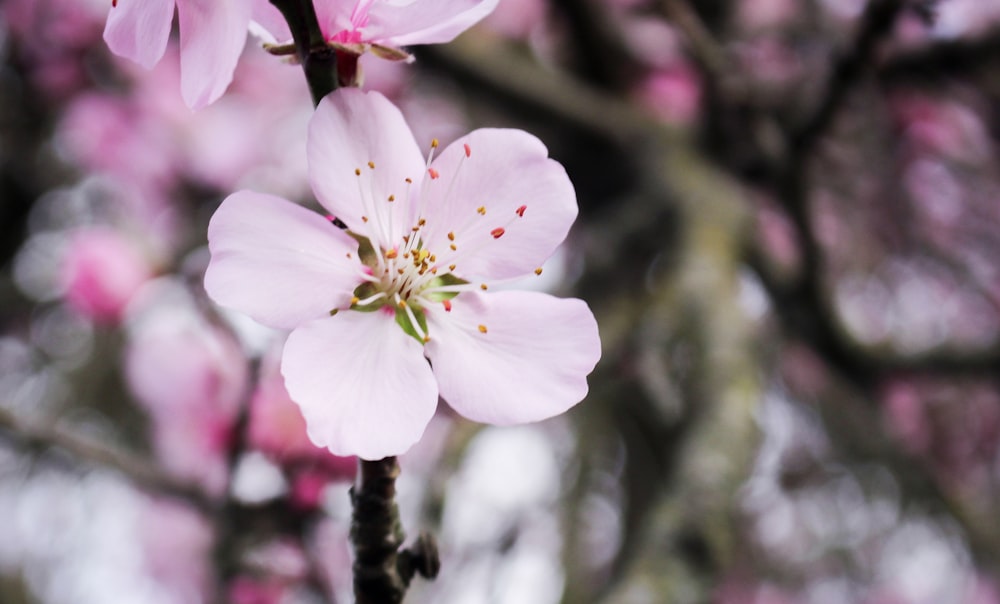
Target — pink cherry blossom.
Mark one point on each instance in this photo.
(101, 271)
(384, 26)
(212, 36)
(367, 318)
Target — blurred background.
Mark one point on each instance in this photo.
(790, 219)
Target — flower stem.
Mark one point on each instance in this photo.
(381, 571)
(318, 59)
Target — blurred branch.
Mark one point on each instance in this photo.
(944, 58)
(876, 24)
(706, 52)
(143, 474)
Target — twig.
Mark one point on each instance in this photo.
(142, 474)
(381, 571)
(319, 60)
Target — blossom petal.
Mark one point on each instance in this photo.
(139, 29)
(530, 363)
(363, 385)
(278, 262)
(349, 129)
(508, 205)
(213, 33)
(424, 21)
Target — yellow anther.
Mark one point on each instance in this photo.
(483, 287)
(481, 210)
(482, 329)
(433, 258)
(371, 165)
(391, 254)
(453, 247)
(409, 180)
(451, 236)
(400, 271)
(434, 143)
(451, 267)
(392, 198)
(364, 219)
(427, 339)
(355, 300)
(357, 171)
(538, 271)
(421, 222)
(402, 303)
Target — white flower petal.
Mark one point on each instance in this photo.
(363, 385)
(512, 357)
(278, 262)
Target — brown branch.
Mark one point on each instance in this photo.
(382, 572)
(143, 474)
(319, 60)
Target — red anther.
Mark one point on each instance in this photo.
(468, 150)
(447, 305)
(433, 173)
(497, 232)
(114, 3)
(520, 210)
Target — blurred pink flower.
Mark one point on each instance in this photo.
(384, 26)
(212, 36)
(190, 377)
(672, 93)
(277, 428)
(100, 272)
(492, 206)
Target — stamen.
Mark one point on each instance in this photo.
(451, 267)
(538, 271)
(453, 247)
(434, 173)
(371, 165)
(482, 329)
(468, 150)
(520, 211)
(447, 305)
(434, 143)
(391, 253)
(481, 210)
(498, 232)
(392, 198)
(484, 287)
(451, 236)
(357, 171)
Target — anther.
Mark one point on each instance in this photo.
(484, 287)
(406, 254)
(402, 303)
(409, 180)
(481, 210)
(392, 253)
(434, 143)
(451, 267)
(114, 3)
(520, 210)
(355, 300)
(482, 329)
(451, 236)
(433, 258)
(364, 219)
(348, 254)
(400, 271)
(453, 247)
(371, 165)
(357, 171)
(497, 232)
(468, 150)
(421, 222)
(392, 198)
(447, 305)
(434, 173)
(538, 271)
(427, 339)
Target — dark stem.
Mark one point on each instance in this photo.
(381, 571)
(318, 59)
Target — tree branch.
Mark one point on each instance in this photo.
(381, 571)
(144, 475)
(319, 60)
